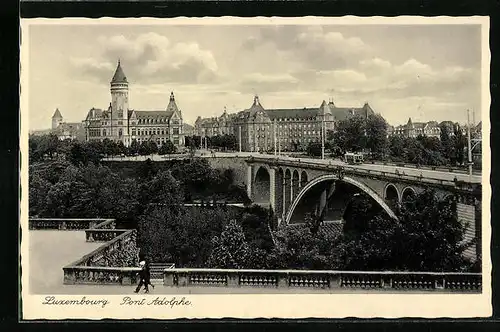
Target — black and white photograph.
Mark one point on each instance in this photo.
(169, 163)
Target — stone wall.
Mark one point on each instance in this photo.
(238, 164)
(466, 215)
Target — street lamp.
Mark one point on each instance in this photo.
(323, 137)
(469, 146)
(274, 134)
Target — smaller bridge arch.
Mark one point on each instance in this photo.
(391, 193)
(407, 193)
(345, 179)
(303, 179)
(262, 182)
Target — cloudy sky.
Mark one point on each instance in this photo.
(424, 72)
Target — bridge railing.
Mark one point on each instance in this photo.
(362, 171)
(63, 223)
(102, 275)
(334, 280)
(102, 235)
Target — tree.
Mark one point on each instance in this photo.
(314, 149)
(38, 190)
(297, 248)
(376, 131)
(447, 148)
(230, 249)
(350, 134)
(163, 188)
(167, 148)
(426, 237)
(48, 145)
(431, 236)
(145, 148)
(397, 147)
(460, 143)
(153, 147)
(134, 147)
(359, 212)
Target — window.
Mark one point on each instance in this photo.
(176, 131)
(120, 133)
(133, 132)
(104, 132)
(120, 122)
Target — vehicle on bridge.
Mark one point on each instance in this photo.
(353, 158)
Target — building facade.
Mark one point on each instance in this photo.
(263, 130)
(66, 130)
(119, 123)
(432, 129)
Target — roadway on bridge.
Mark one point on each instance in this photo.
(426, 173)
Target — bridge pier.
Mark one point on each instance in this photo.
(272, 188)
(249, 181)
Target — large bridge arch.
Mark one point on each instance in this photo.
(345, 179)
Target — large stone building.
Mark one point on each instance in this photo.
(432, 129)
(66, 130)
(260, 129)
(119, 123)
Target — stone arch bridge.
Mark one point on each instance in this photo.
(293, 187)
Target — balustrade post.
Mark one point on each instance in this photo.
(62, 225)
(439, 283)
(233, 279)
(127, 279)
(168, 278)
(385, 281)
(334, 280)
(283, 280)
(69, 277)
(182, 280)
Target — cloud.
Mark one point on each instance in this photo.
(150, 58)
(314, 46)
(258, 82)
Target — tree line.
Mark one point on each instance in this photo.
(50, 147)
(427, 237)
(226, 142)
(357, 134)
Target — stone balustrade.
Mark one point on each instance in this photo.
(106, 224)
(363, 280)
(102, 235)
(116, 252)
(101, 275)
(63, 223)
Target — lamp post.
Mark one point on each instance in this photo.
(323, 138)
(469, 146)
(274, 134)
(239, 136)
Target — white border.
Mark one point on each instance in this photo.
(276, 305)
